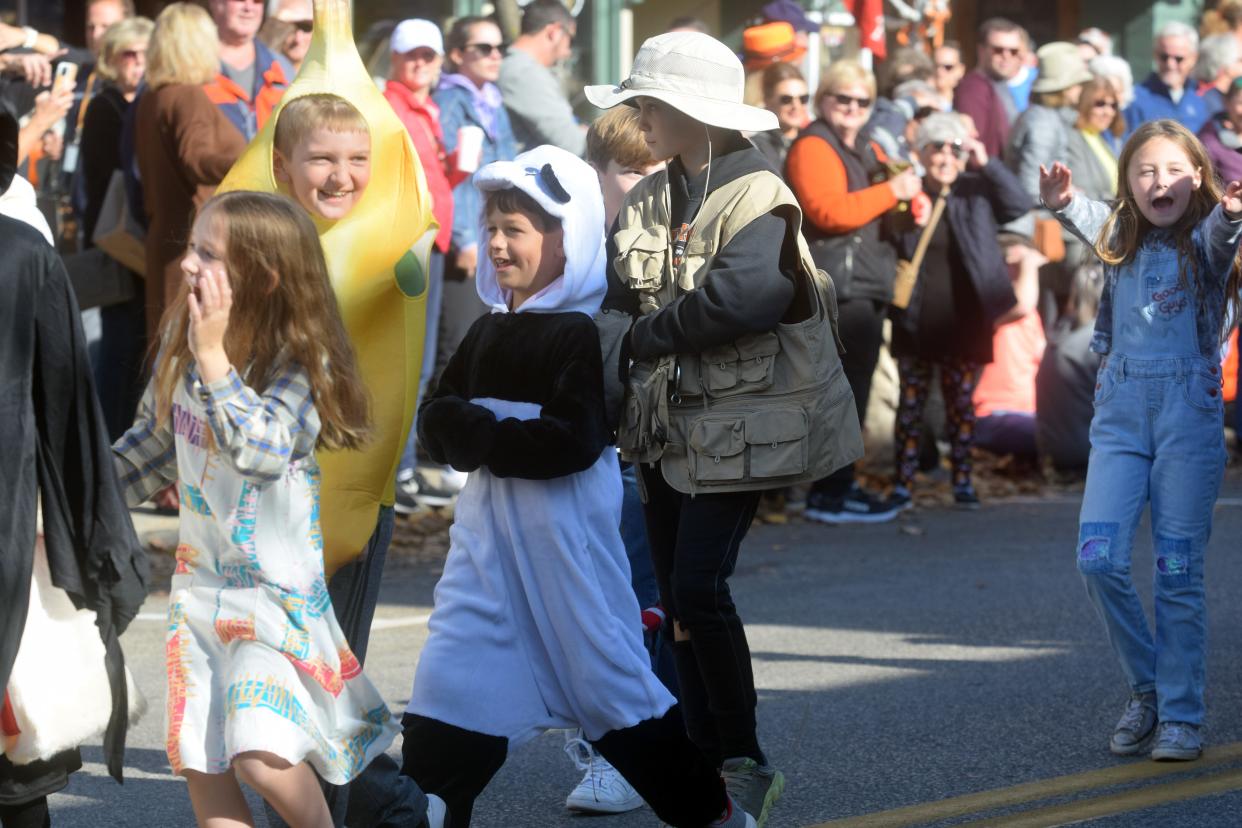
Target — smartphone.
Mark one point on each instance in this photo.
(66, 78)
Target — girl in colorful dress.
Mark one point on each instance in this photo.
(1169, 249)
(255, 374)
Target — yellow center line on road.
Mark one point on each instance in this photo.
(1163, 793)
(1128, 773)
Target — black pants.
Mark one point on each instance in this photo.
(32, 814)
(694, 546)
(861, 324)
(654, 756)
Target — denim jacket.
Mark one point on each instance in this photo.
(1215, 244)
(460, 106)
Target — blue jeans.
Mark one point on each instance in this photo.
(435, 295)
(634, 536)
(1157, 434)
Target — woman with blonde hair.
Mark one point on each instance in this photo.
(121, 67)
(184, 145)
(845, 188)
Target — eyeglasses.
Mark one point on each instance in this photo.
(1000, 51)
(304, 26)
(133, 54)
(1105, 104)
(1165, 58)
(486, 49)
(786, 100)
(846, 100)
(941, 146)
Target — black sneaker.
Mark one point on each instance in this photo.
(965, 497)
(855, 506)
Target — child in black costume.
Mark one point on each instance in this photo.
(535, 625)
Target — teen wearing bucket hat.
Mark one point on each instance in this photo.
(1040, 136)
(735, 384)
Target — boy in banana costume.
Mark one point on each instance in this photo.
(376, 236)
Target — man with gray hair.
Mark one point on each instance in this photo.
(1165, 94)
(1219, 64)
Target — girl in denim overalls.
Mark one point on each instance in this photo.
(1158, 431)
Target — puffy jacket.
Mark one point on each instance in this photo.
(978, 201)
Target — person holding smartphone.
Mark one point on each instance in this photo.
(961, 293)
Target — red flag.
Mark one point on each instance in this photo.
(870, 17)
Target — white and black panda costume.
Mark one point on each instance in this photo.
(535, 623)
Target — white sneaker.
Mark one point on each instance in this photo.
(602, 790)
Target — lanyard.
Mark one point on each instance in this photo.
(679, 243)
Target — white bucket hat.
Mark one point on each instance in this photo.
(693, 73)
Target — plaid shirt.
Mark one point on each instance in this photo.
(259, 436)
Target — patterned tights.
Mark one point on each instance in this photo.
(958, 379)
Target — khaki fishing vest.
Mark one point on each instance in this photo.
(768, 410)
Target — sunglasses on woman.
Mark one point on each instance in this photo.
(846, 100)
(304, 26)
(786, 100)
(486, 49)
(1105, 104)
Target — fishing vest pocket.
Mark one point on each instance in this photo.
(642, 253)
(643, 428)
(717, 446)
(777, 441)
(740, 367)
(694, 261)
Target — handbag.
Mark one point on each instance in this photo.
(1049, 239)
(98, 279)
(117, 232)
(908, 271)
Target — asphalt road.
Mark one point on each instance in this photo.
(942, 670)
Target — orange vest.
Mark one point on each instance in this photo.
(224, 92)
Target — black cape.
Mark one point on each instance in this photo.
(55, 444)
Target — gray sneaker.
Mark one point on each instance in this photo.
(753, 786)
(1137, 725)
(735, 817)
(1177, 742)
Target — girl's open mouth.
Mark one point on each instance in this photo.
(1163, 202)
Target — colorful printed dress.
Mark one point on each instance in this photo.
(256, 659)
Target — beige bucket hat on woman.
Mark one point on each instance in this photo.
(694, 73)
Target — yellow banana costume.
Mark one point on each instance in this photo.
(377, 258)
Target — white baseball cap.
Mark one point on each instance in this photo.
(412, 34)
(694, 73)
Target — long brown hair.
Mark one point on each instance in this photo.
(284, 311)
(1126, 226)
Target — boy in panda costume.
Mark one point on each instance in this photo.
(535, 624)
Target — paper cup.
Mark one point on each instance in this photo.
(469, 148)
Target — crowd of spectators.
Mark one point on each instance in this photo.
(1002, 299)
